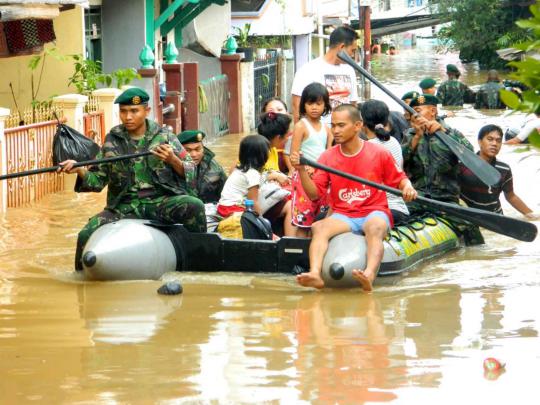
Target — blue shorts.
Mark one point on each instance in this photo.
(357, 224)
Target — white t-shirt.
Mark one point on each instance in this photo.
(340, 80)
(393, 146)
(236, 187)
(532, 124)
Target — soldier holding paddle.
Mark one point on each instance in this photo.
(148, 187)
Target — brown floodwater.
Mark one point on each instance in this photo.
(240, 338)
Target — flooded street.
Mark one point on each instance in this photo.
(236, 338)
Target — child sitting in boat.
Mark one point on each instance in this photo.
(312, 137)
(277, 105)
(247, 178)
(275, 127)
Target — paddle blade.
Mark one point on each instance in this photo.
(482, 169)
(514, 228)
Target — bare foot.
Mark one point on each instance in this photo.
(310, 280)
(364, 281)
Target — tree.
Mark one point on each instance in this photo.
(479, 27)
(527, 71)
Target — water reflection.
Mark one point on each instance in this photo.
(114, 314)
(344, 352)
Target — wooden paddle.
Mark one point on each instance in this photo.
(512, 227)
(483, 170)
(78, 164)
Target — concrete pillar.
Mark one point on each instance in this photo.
(150, 83)
(106, 99)
(190, 89)
(4, 113)
(287, 87)
(249, 118)
(302, 50)
(73, 108)
(230, 65)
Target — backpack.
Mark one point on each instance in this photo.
(247, 225)
(255, 227)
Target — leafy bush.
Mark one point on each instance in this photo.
(527, 71)
(88, 75)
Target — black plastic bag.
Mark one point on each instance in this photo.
(71, 144)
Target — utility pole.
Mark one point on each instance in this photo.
(364, 23)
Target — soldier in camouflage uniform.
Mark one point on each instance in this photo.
(150, 187)
(433, 168)
(453, 92)
(488, 94)
(209, 175)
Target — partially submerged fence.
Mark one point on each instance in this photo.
(29, 147)
(214, 107)
(94, 121)
(26, 143)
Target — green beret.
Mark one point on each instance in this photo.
(450, 68)
(191, 136)
(410, 95)
(424, 99)
(427, 83)
(133, 96)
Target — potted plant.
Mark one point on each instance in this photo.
(242, 38)
(261, 45)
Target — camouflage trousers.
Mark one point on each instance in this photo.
(178, 209)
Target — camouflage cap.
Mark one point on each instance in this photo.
(427, 83)
(450, 68)
(410, 95)
(133, 96)
(424, 99)
(191, 136)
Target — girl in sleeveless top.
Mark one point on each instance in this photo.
(312, 138)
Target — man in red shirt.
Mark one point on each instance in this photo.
(355, 207)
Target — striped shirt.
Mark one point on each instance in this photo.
(478, 195)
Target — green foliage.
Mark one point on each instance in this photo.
(38, 61)
(88, 75)
(527, 71)
(265, 79)
(242, 37)
(479, 27)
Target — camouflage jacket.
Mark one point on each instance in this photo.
(433, 168)
(488, 96)
(149, 174)
(209, 178)
(453, 92)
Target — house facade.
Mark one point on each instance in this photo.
(16, 83)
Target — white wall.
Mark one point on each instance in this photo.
(209, 30)
(275, 20)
